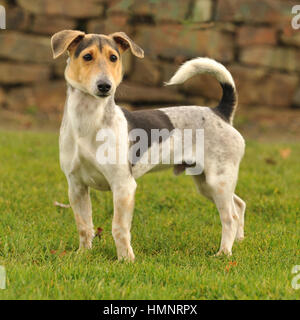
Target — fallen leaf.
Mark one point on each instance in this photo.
(270, 161)
(230, 265)
(61, 205)
(98, 232)
(63, 253)
(285, 153)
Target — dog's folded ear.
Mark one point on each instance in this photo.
(124, 42)
(62, 41)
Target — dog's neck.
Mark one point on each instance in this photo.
(87, 113)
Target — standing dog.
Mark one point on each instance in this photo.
(93, 72)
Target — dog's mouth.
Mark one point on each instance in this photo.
(102, 95)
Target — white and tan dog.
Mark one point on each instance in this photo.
(93, 73)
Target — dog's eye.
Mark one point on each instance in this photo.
(113, 58)
(88, 57)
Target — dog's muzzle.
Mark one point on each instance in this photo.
(103, 88)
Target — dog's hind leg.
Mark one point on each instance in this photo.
(240, 206)
(220, 189)
(123, 196)
(81, 204)
(222, 192)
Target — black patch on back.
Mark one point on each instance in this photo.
(147, 120)
(227, 103)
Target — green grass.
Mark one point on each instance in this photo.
(175, 232)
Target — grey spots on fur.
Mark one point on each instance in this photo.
(220, 171)
(108, 113)
(219, 124)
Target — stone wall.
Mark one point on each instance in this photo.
(253, 38)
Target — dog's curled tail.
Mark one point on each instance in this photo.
(228, 103)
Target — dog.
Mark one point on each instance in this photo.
(93, 73)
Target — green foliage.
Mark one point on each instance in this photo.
(175, 232)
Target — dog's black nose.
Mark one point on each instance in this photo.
(104, 87)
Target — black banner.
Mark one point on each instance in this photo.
(145, 309)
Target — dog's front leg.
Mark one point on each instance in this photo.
(123, 196)
(81, 204)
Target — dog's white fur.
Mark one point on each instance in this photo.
(85, 115)
(201, 66)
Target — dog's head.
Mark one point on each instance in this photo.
(94, 65)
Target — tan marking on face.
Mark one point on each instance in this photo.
(85, 73)
(113, 68)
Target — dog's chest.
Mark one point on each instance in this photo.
(78, 158)
(90, 172)
(84, 165)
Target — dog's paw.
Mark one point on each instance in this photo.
(126, 259)
(239, 238)
(127, 256)
(84, 246)
(223, 252)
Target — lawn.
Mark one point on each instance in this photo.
(175, 231)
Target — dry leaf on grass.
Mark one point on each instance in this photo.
(230, 265)
(63, 253)
(285, 153)
(98, 232)
(270, 161)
